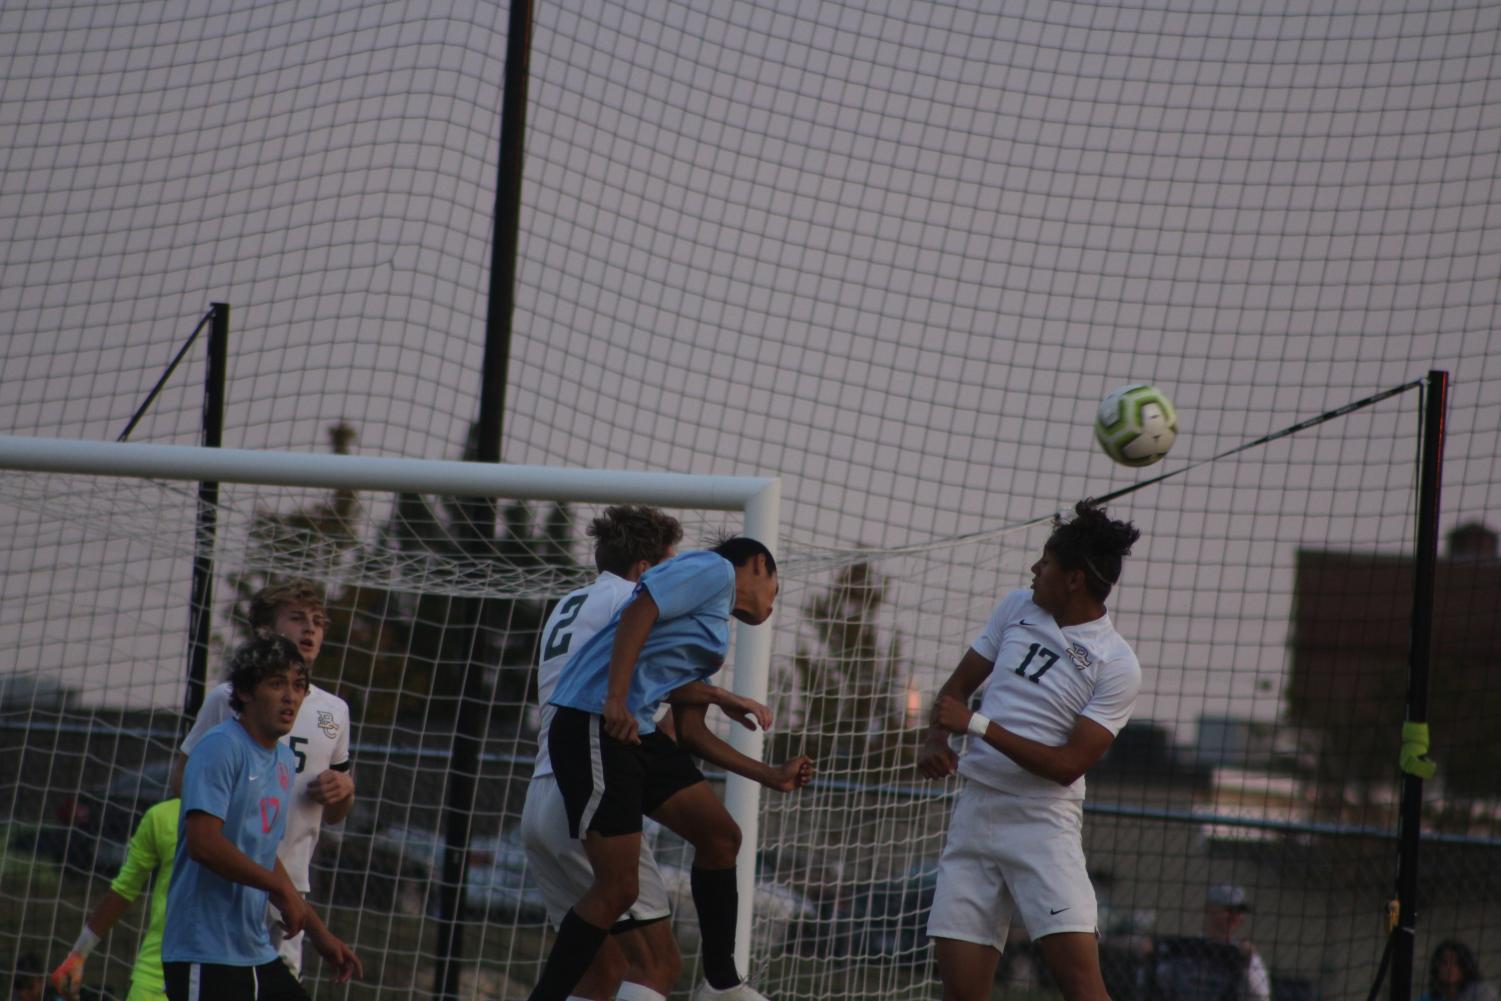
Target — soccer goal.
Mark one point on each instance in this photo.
(423, 619)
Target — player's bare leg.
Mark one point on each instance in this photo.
(1073, 959)
(967, 969)
(585, 927)
(698, 816)
(604, 974)
(616, 862)
(653, 956)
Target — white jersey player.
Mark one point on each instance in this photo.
(1062, 683)
(319, 741)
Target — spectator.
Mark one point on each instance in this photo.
(1217, 966)
(1454, 975)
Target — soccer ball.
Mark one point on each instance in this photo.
(1136, 425)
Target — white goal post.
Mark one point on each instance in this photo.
(758, 498)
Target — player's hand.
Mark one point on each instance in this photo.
(68, 977)
(337, 954)
(290, 905)
(746, 711)
(331, 787)
(951, 714)
(619, 723)
(794, 773)
(937, 759)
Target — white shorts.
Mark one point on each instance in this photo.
(1012, 854)
(557, 861)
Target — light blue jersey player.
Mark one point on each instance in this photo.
(614, 767)
(237, 793)
(694, 594)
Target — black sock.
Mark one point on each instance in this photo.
(577, 944)
(718, 901)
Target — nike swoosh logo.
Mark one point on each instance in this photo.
(1058, 911)
(1025, 622)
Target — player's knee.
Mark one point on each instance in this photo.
(718, 847)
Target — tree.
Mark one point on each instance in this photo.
(849, 683)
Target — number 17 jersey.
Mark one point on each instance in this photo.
(1045, 676)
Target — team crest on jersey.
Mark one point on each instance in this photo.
(327, 724)
(1079, 656)
(284, 776)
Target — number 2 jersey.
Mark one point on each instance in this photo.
(1045, 677)
(319, 740)
(580, 615)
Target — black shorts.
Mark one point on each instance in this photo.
(198, 981)
(607, 784)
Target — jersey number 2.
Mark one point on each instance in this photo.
(557, 643)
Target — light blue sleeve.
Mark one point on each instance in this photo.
(690, 582)
(209, 779)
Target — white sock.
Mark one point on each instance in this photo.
(637, 992)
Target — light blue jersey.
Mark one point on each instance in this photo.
(695, 593)
(209, 918)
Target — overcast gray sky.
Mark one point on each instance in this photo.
(891, 253)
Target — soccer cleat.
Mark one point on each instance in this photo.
(740, 992)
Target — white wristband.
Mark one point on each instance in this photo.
(978, 725)
(86, 942)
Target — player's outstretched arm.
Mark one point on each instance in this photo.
(335, 952)
(1064, 764)
(936, 759)
(208, 846)
(635, 624)
(741, 708)
(695, 735)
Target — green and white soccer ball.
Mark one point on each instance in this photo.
(1136, 425)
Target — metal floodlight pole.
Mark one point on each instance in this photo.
(473, 717)
(1420, 651)
(201, 606)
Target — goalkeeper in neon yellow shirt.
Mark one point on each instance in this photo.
(152, 849)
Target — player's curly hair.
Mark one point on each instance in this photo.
(257, 659)
(299, 592)
(1093, 542)
(628, 533)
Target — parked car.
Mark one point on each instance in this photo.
(496, 884)
(90, 830)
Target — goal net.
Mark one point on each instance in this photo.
(1296, 808)
(890, 254)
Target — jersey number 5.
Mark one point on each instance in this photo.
(557, 643)
(1049, 658)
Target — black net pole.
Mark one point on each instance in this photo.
(200, 621)
(1435, 407)
(473, 713)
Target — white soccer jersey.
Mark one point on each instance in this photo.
(1045, 677)
(319, 739)
(580, 615)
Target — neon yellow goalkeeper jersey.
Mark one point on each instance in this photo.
(152, 849)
